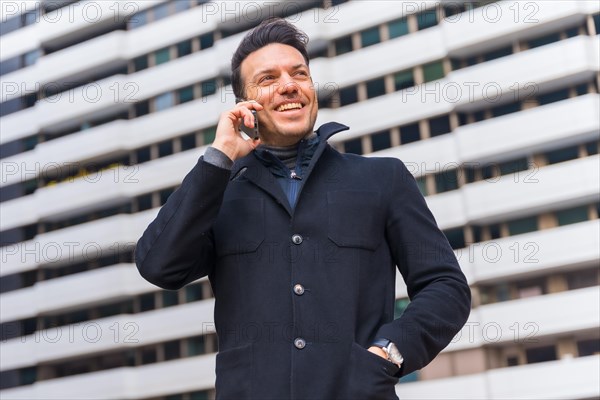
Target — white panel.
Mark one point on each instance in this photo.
(509, 20)
(178, 376)
(563, 379)
(526, 320)
(109, 334)
(96, 190)
(68, 21)
(534, 251)
(479, 83)
(84, 241)
(538, 189)
(82, 289)
(526, 131)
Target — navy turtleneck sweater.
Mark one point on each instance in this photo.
(287, 164)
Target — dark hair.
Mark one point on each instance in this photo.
(273, 30)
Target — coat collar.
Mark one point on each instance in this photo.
(252, 169)
(324, 132)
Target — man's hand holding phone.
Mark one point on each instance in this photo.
(228, 138)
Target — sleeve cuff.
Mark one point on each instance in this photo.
(217, 158)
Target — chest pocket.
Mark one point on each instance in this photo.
(240, 226)
(355, 219)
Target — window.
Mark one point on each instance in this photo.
(439, 126)
(184, 48)
(144, 202)
(148, 355)
(10, 65)
(591, 148)
(142, 108)
(138, 19)
(456, 237)
(597, 23)
(207, 40)
(208, 136)
(165, 148)
(375, 88)
(343, 45)
(161, 11)
(193, 293)
(143, 154)
(370, 37)
(185, 94)
(164, 195)
(164, 101)
(348, 95)
(31, 57)
(203, 395)
(510, 167)
(572, 215)
(195, 346)
(410, 133)
(498, 53)
(140, 63)
(181, 5)
(446, 181)
(553, 97)
(433, 71)
(209, 87)
(404, 79)
(353, 146)
(588, 347)
(172, 350)
(512, 361)
(400, 306)
(188, 142)
(381, 140)
(422, 184)
(522, 225)
(554, 37)
(147, 302)
(161, 56)
(540, 354)
(398, 28)
(427, 19)
(561, 155)
(583, 279)
(169, 298)
(506, 109)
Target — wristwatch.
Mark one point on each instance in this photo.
(391, 351)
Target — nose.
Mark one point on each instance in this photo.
(287, 85)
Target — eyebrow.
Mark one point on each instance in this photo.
(269, 70)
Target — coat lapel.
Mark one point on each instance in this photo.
(252, 169)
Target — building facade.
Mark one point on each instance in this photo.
(494, 107)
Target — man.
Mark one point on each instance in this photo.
(301, 244)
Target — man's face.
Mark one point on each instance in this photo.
(277, 77)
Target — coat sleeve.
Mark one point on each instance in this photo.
(177, 247)
(438, 290)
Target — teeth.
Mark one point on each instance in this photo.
(289, 106)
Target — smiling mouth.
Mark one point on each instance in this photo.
(289, 106)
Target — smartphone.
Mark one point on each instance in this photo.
(251, 132)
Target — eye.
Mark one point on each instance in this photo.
(301, 73)
(266, 78)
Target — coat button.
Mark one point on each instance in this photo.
(297, 239)
(299, 343)
(299, 289)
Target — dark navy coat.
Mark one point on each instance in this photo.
(300, 294)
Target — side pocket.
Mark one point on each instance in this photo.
(234, 373)
(370, 377)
